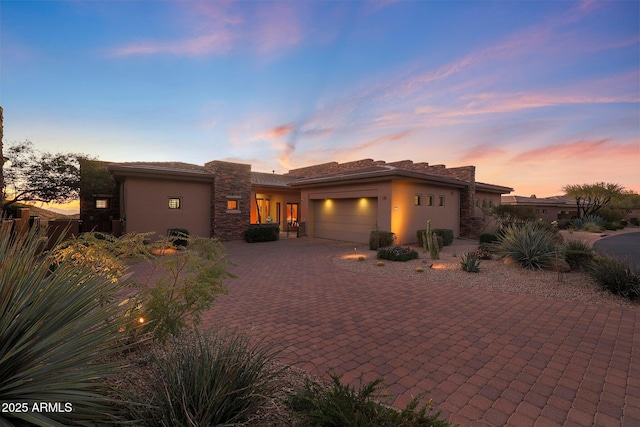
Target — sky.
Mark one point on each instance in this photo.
(535, 94)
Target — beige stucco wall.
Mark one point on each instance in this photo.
(408, 218)
(396, 210)
(381, 190)
(146, 203)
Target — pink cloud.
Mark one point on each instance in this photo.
(279, 131)
(582, 149)
(480, 152)
(215, 43)
(219, 27)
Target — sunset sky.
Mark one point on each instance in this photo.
(535, 94)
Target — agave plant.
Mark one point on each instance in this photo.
(531, 244)
(470, 263)
(56, 329)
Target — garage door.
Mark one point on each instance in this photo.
(350, 220)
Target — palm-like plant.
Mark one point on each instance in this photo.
(57, 326)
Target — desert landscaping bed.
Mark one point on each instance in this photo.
(494, 274)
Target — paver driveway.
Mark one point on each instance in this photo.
(489, 358)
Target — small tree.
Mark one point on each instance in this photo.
(590, 198)
(34, 176)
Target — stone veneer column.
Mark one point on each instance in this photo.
(232, 181)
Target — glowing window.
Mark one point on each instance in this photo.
(417, 200)
(429, 200)
(232, 204)
(440, 200)
(175, 203)
(102, 203)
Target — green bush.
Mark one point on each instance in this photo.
(616, 277)
(470, 263)
(577, 259)
(634, 221)
(57, 327)
(380, 239)
(340, 405)
(488, 238)
(397, 253)
(178, 237)
(262, 233)
(531, 244)
(439, 238)
(209, 380)
(446, 234)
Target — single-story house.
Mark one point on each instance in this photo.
(340, 201)
(546, 208)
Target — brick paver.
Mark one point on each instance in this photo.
(487, 357)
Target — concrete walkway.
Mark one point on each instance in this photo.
(488, 358)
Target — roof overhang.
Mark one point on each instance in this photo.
(376, 176)
(155, 172)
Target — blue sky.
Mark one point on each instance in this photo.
(535, 94)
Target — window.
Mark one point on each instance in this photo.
(440, 200)
(233, 204)
(429, 200)
(175, 203)
(102, 203)
(417, 200)
(292, 214)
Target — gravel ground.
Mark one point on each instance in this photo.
(494, 274)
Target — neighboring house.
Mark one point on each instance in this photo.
(332, 200)
(546, 208)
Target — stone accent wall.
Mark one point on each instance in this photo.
(232, 180)
(333, 168)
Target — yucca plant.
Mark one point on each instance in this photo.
(205, 380)
(531, 244)
(57, 327)
(470, 263)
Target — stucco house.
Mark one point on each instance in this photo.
(340, 201)
(546, 208)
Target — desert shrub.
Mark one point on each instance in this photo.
(578, 254)
(380, 239)
(318, 405)
(634, 221)
(488, 238)
(397, 253)
(564, 224)
(530, 244)
(206, 380)
(178, 237)
(191, 280)
(615, 276)
(485, 251)
(188, 283)
(470, 263)
(57, 326)
(262, 233)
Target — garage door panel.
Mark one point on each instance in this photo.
(346, 219)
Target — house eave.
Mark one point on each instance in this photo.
(141, 171)
(374, 176)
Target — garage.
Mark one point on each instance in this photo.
(350, 220)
